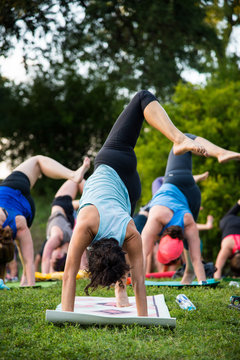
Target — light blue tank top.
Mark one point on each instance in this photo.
(170, 196)
(105, 190)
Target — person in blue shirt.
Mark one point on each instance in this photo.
(104, 223)
(174, 211)
(17, 209)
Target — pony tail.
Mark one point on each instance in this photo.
(6, 245)
(7, 248)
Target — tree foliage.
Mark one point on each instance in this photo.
(137, 43)
(131, 43)
(65, 121)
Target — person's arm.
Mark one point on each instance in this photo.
(26, 252)
(192, 236)
(133, 246)
(52, 243)
(224, 253)
(81, 239)
(152, 228)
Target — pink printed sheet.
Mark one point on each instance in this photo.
(101, 310)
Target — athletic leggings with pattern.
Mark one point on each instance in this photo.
(118, 149)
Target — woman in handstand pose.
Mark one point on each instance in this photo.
(109, 197)
(17, 209)
(174, 211)
(230, 245)
(61, 221)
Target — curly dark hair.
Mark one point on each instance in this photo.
(6, 249)
(174, 231)
(107, 264)
(235, 264)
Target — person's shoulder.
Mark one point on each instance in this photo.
(88, 217)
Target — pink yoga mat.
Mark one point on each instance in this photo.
(159, 275)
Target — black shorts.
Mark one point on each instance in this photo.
(65, 202)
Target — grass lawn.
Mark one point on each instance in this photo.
(210, 332)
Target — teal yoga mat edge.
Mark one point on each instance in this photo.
(210, 283)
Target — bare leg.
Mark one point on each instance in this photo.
(69, 187)
(157, 117)
(221, 154)
(189, 274)
(201, 177)
(39, 164)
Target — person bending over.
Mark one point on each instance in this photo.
(230, 245)
(177, 203)
(17, 209)
(61, 221)
(154, 258)
(104, 220)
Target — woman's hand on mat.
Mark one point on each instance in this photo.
(121, 296)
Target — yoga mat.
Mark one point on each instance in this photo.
(39, 284)
(58, 275)
(159, 275)
(210, 283)
(89, 310)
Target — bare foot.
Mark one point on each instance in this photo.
(201, 177)
(121, 296)
(189, 145)
(187, 278)
(23, 280)
(228, 155)
(79, 174)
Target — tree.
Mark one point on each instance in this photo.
(19, 18)
(65, 121)
(141, 43)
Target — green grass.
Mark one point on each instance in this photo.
(210, 332)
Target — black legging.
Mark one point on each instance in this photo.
(179, 173)
(118, 149)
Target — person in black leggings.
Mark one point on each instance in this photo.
(174, 211)
(104, 223)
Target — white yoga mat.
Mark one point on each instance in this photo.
(101, 310)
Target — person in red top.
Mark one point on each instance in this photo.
(230, 245)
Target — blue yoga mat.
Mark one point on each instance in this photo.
(210, 282)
